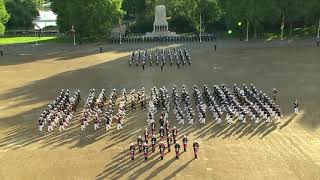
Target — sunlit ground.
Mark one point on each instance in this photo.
(32, 76)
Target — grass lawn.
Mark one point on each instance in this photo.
(297, 33)
(21, 40)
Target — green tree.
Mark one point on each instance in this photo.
(191, 10)
(134, 8)
(4, 17)
(22, 13)
(181, 24)
(313, 17)
(252, 13)
(91, 18)
(292, 11)
(183, 15)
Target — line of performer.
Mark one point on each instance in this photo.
(243, 103)
(163, 144)
(160, 58)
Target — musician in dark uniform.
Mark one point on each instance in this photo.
(162, 65)
(161, 132)
(153, 128)
(174, 134)
(177, 149)
(185, 143)
(274, 91)
(139, 142)
(146, 133)
(178, 61)
(150, 58)
(143, 63)
(161, 120)
(167, 128)
(169, 141)
(132, 148)
(145, 151)
(195, 149)
(161, 148)
(153, 142)
(296, 106)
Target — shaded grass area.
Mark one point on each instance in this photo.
(24, 40)
(300, 33)
(297, 33)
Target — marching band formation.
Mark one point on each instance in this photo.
(225, 105)
(166, 56)
(237, 104)
(60, 112)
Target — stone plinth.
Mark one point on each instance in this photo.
(160, 25)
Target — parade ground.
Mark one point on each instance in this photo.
(32, 76)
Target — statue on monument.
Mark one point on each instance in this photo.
(160, 25)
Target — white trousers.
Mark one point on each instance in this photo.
(50, 128)
(202, 120)
(219, 120)
(119, 126)
(83, 127)
(96, 126)
(40, 128)
(61, 128)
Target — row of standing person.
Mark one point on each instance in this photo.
(143, 146)
(103, 108)
(60, 112)
(241, 103)
(160, 58)
(160, 102)
(148, 39)
(113, 110)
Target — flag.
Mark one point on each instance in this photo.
(72, 29)
(282, 25)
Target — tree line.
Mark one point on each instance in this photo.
(95, 18)
(253, 16)
(18, 14)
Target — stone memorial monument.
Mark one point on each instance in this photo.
(160, 25)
